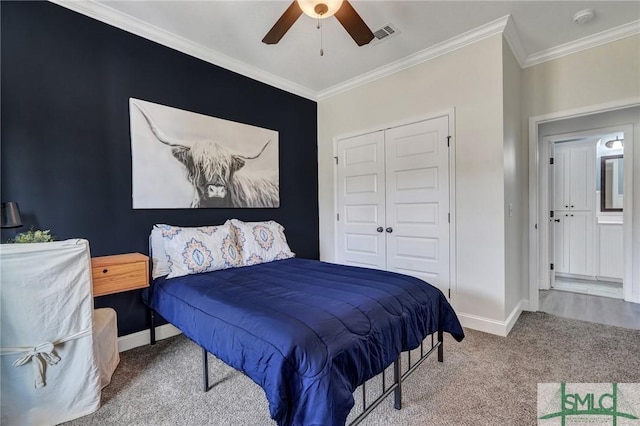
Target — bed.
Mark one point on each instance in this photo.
(308, 332)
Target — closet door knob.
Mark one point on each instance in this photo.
(389, 230)
(379, 229)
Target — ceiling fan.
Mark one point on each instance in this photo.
(320, 9)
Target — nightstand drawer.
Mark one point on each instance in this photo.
(117, 273)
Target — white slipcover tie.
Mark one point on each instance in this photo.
(41, 354)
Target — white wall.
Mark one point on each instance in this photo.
(602, 74)
(515, 183)
(469, 79)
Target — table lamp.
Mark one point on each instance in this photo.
(10, 215)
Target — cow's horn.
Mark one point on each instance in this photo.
(167, 140)
(255, 156)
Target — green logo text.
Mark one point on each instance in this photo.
(589, 404)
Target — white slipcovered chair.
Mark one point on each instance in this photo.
(56, 351)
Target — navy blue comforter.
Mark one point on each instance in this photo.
(307, 332)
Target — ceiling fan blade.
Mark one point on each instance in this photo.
(353, 23)
(282, 25)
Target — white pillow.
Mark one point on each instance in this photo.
(260, 242)
(197, 250)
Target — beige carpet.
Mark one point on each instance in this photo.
(484, 380)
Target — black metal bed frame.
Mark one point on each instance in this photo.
(395, 387)
(398, 376)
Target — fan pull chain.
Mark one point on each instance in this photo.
(320, 28)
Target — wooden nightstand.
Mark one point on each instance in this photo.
(119, 272)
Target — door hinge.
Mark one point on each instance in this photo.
(448, 140)
(338, 217)
(551, 160)
(449, 217)
(551, 213)
(449, 293)
(551, 266)
(336, 158)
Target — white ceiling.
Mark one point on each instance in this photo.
(229, 34)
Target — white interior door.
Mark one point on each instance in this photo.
(560, 193)
(581, 228)
(361, 201)
(573, 187)
(553, 220)
(417, 194)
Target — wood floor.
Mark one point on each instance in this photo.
(587, 307)
(598, 288)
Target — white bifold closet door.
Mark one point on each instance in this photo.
(393, 200)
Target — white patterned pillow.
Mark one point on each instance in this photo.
(260, 242)
(197, 250)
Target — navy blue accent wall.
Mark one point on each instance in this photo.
(66, 80)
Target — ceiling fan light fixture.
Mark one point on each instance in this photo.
(345, 14)
(320, 9)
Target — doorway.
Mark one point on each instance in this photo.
(586, 197)
(620, 114)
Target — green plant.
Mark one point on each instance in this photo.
(33, 236)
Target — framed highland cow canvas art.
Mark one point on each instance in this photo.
(182, 159)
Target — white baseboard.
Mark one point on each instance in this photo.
(515, 314)
(142, 338)
(491, 326)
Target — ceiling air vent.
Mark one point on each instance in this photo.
(385, 33)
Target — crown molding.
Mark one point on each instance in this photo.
(623, 31)
(512, 37)
(464, 39)
(140, 28)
